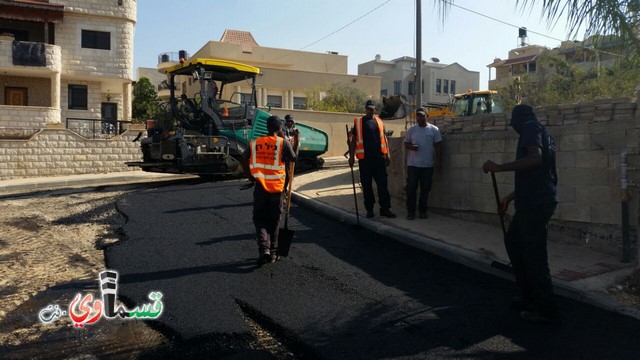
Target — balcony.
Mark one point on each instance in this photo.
(29, 58)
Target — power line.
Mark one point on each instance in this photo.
(500, 21)
(592, 48)
(335, 32)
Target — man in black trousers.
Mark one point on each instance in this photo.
(536, 199)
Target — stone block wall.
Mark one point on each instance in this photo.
(28, 117)
(55, 152)
(77, 61)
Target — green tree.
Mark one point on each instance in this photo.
(145, 100)
(338, 97)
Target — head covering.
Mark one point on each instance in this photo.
(273, 123)
(370, 105)
(421, 111)
(520, 115)
(288, 117)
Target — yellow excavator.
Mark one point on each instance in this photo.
(472, 102)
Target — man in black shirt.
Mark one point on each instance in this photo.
(369, 145)
(536, 199)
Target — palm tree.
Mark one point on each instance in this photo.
(602, 17)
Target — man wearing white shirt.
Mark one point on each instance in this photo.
(422, 142)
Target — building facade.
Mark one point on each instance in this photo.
(585, 55)
(66, 62)
(439, 81)
(287, 76)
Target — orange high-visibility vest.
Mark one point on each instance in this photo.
(384, 147)
(266, 164)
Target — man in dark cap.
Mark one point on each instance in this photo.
(264, 163)
(370, 146)
(536, 199)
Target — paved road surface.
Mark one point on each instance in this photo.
(344, 292)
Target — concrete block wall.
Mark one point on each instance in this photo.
(56, 152)
(589, 138)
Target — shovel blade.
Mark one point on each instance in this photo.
(285, 236)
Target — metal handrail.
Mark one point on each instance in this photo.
(97, 128)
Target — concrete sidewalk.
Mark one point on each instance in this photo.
(578, 272)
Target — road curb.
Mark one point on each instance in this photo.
(462, 256)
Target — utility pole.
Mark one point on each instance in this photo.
(418, 83)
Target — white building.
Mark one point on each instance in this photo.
(438, 80)
(65, 60)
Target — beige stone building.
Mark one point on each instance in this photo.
(582, 54)
(287, 76)
(439, 81)
(64, 60)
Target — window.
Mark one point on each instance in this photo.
(445, 88)
(411, 88)
(78, 97)
(300, 103)
(274, 101)
(532, 67)
(397, 85)
(383, 93)
(245, 99)
(453, 87)
(438, 86)
(96, 40)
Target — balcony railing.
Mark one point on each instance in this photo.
(97, 128)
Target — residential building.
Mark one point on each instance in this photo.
(65, 61)
(520, 61)
(439, 81)
(583, 54)
(287, 76)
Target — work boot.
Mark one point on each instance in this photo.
(264, 258)
(387, 213)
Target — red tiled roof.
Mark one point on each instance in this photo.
(242, 38)
(520, 60)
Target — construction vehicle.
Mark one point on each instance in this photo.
(476, 102)
(207, 135)
(472, 102)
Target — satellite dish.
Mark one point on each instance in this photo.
(378, 57)
(435, 59)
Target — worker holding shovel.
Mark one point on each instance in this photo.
(264, 163)
(535, 199)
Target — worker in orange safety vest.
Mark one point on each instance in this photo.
(264, 163)
(370, 146)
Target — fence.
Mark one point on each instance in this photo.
(97, 128)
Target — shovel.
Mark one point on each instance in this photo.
(285, 236)
(494, 263)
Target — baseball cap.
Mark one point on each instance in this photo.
(288, 117)
(370, 105)
(421, 111)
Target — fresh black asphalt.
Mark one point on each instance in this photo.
(343, 293)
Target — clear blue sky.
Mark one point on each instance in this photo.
(361, 32)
